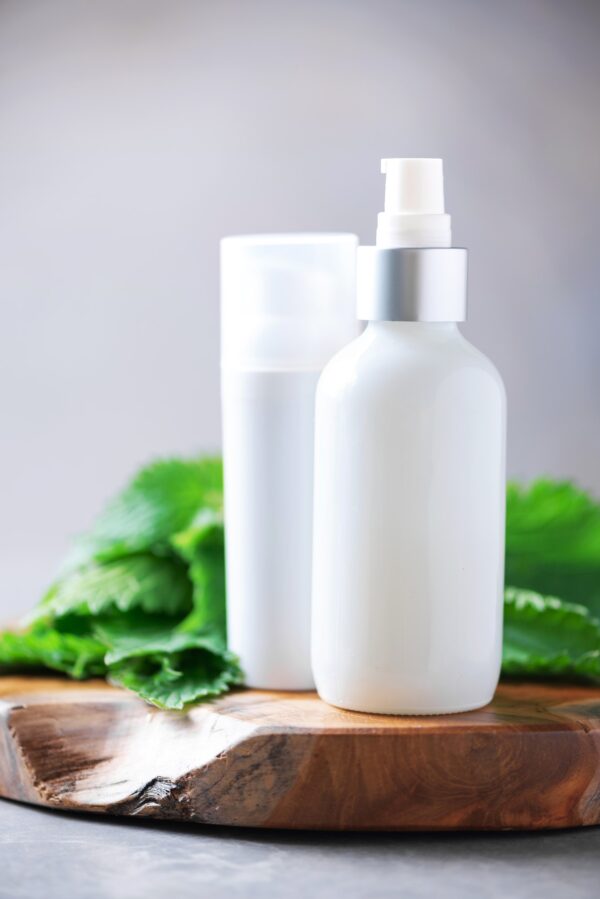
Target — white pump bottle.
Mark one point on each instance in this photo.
(286, 308)
(409, 478)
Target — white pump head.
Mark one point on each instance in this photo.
(413, 274)
(286, 300)
(414, 213)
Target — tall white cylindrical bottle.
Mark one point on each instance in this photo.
(409, 478)
(287, 308)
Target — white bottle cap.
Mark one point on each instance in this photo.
(414, 213)
(412, 274)
(287, 300)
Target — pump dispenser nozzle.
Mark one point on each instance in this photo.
(414, 213)
(413, 274)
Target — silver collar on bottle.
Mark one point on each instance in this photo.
(412, 285)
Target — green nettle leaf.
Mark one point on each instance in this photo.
(144, 581)
(544, 636)
(161, 500)
(202, 546)
(142, 596)
(207, 571)
(206, 529)
(175, 681)
(167, 667)
(553, 541)
(136, 634)
(76, 655)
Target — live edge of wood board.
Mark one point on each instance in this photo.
(529, 760)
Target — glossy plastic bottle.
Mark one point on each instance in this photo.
(409, 502)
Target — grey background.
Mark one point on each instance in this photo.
(135, 133)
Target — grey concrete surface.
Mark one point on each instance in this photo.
(53, 855)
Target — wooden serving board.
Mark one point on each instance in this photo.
(529, 760)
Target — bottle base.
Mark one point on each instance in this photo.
(408, 711)
(280, 685)
(270, 689)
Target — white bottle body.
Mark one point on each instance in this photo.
(408, 523)
(268, 430)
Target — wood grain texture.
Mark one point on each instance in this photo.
(529, 760)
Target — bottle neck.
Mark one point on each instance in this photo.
(412, 285)
(435, 330)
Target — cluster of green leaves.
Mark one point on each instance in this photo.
(552, 606)
(141, 599)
